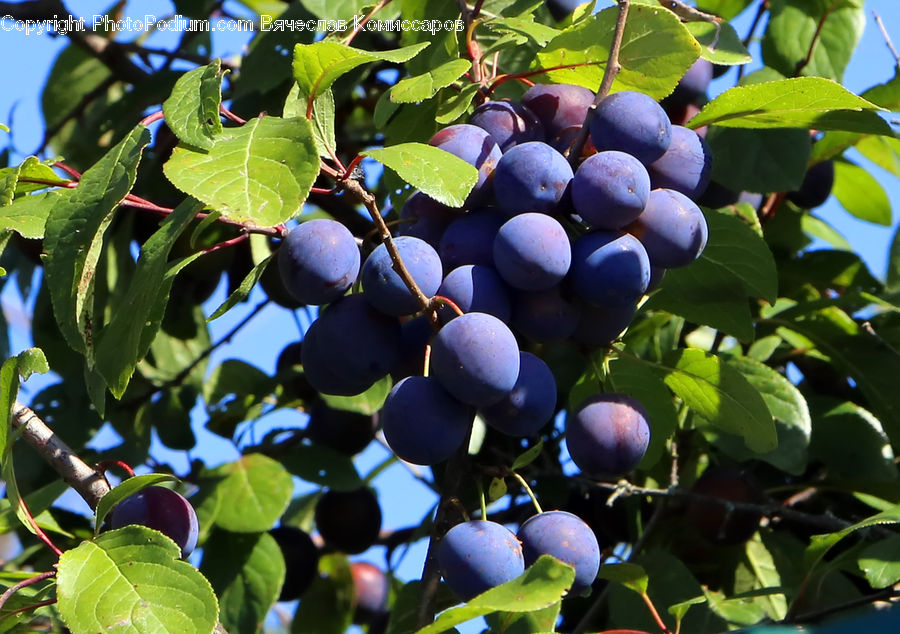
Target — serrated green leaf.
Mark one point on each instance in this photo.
(256, 490)
(192, 110)
(28, 215)
(811, 103)
(817, 228)
(722, 396)
(417, 163)
(456, 104)
(422, 87)
(542, 585)
(869, 458)
(259, 173)
(678, 610)
(323, 466)
(632, 576)
(246, 570)
(820, 544)
(74, 234)
(127, 488)
(656, 51)
(729, 50)
(131, 580)
(124, 341)
(318, 65)
(880, 562)
(322, 117)
(242, 292)
(524, 25)
(861, 194)
(528, 456)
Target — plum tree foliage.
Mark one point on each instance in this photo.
(523, 257)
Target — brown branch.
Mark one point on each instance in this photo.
(887, 39)
(609, 75)
(86, 481)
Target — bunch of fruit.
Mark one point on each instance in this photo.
(540, 252)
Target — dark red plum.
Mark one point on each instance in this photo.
(633, 123)
(545, 316)
(475, 357)
(372, 588)
(610, 190)
(609, 268)
(371, 351)
(530, 404)
(476, 147)
(509, 123)
(532, 252)
(423, 424)
(607, 435)
(685, 167)
(425, 218)
(385, 289)
(475, 289)
(816, 186)
(714, 520)
(479, 555)
(163, 510)
(301, 561)
(600, 325)
(531, 177)
(672, 229)
(558, 106)
(470, 238)
(318, 261)
(565, 537)
(344, 431)
(348, 521)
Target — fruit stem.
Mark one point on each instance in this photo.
(656, 617)
(156, 116)
(481, 498)
(534, 500)
(609, 75)
(361, 23)
(124, 466)
(228, 114)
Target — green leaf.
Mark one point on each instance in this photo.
(367, 403)
(880, 562)
(656, 51)
(317, 66)
(192, 110)
(74, 237)
(725, 9)
(722, 396)
(127, 488)
(804, 102)
(124, 341)
(242, 292)
(541, 586)
(322, 117)
(524, 25)
(327, 606)
(131, 580)
(417, 164)
(259, 173)
(820, 544)
(861, 194)
(255, 491)
(869, 458)
(37, 502)
(422, 87)
(678, 610)
(729, 50)
(835, 25)
(337, 9)
(246, 572)
(759, 160)
(766, 579)
(28, 215)
(496, 490)
(322, 466)
(528, 456)
(632, 576)
(456, 104)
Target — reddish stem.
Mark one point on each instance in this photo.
(439, 299)
(104, 465)
(49, 183)
(156, 116)
(656, 617)
(68, 170)
(228, 114)
(378, 7)
(41, 535)
(24, 584)
(323, 190)
(228, 243)
(348, 171)
(500, 79)
(28, 608)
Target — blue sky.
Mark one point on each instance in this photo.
(405, 501)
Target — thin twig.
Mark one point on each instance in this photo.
(887, 39)
(812, 45)
(609, 75)
(10, 591)
(359, 25)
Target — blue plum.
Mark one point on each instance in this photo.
(558, 106)
(475, 288)
(415, 334)
(545, 316)
(301, 560)
(348, 521)
(475, 357)
(479, 555)
(532, 252)
(425, 218)
(559, 9)
(509, 123)
(672, 229)
(567, 538)
(685, 167)
(470, 238)
(385, 289)
(163, 510)
(318, 261)
(530, 404)
(423, 424)
(342, 430)
(317, 361)
(531, 177)
(816, 186)
(631, 122)
(609, 268)
(476, 147)
(610, 190)
(601, 324)
(692, 86)
(607, 435)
